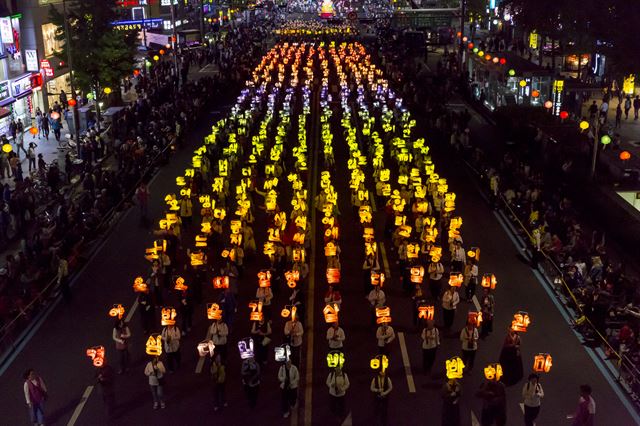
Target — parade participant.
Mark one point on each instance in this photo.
(430, 342)
(451, 392)
(487, 306)
(250, 374)
(338, 383)
(532, 395)
(155, 371)
(121, 335)
(335, 336)
(261, 332)
(219, 377)
(385, 335)
(494, 405)
(381, 387)
(288, 377)
(171, 336)
(450, 300)
(511, 359)
(435, 270)
(219, 332)
(469, 339)
(586, 410)
(293, 332)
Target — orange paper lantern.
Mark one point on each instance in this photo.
(489, 281)
(180, 285)
(474, 318)
(139, 286)
(383, 315)
(168, 316)
(625, 155)
(72, 102)
(33, 130)
(331, 313)
(426, 312)
(96, 354)
(542, 363)
(333, 276)
(520, 322)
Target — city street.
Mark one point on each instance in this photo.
(57, 347)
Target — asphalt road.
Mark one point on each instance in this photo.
(57, 349)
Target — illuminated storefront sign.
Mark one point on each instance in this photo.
(137, 24)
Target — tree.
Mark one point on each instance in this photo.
(101, 55)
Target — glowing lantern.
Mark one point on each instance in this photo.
(548, 104)
(535, 93)
(455, 368)
(474, 318)
(55, 115)
(168, 316)
(107, 90)
(474, 253)
(331, 313)
(481, 53)
(435, 253)
(206, 347)
(213, 311)
(162, 52)
(7, 148)
(136, 72)
(180, 285)
(333, 275)
(264, 278)
(282, 353)
(377, 278)
(292, 278)
(520, 322)
(96, 354)
(417, 274)
(625, 155)
(256, 311)
(495, 59)
(542, 363)
(475, 50)
(156, 58)
(154, 345)
(33, 131)
(584, 125)
(564, 115)
(487, 57)
(335, 359)
(470, 45)
(503, 61)
(330, 249)
(116, 311)
(489, 281)
(522, 83)
(493, 372)
(383, 315)
(221, 282)
(245, 347)
(298, 254)
(605, 139)
(455, 280)
(379, 362)
(139, 286)
(197, 259)
(512, 72)
(426, 312)
(289, 311)
(465, 39)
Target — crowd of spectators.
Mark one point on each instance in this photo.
(53, 233)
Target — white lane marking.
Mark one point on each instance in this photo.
(200, 363)
(131, 311)
(476, 303)
(348, 421)
(406, 362)
(80, 406)
(385, 261)
(474, 419)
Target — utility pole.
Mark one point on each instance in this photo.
(76, 114)
(174, 41)
(463, 12)
(596, 143)
(201, 21)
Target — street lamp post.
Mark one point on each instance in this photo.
(463, 12)
(76, 115)
(174, 41)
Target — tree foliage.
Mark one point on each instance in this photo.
(101, 55)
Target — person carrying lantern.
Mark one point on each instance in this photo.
(451, 392)
(511, 359)
(381, 387)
